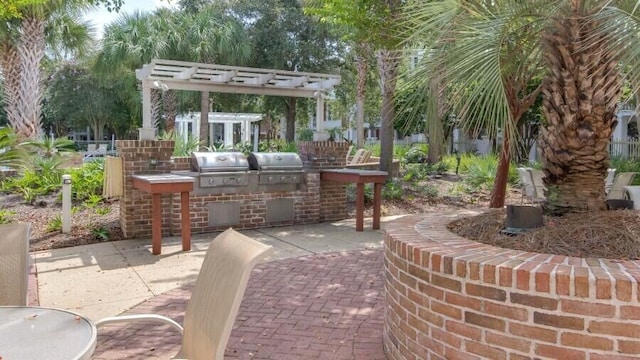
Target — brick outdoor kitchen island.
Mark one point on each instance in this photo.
(166, 183)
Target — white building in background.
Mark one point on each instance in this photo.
(222, 126)
(625, 135)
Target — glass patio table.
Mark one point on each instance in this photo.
(44, 333)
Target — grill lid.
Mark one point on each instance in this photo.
(275, 161)
(218, 161)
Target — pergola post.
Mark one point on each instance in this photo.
(228, 134)
(320, 111)
(147, 131)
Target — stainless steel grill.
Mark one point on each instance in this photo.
(277, 168)
(233, 172)
(217, 169)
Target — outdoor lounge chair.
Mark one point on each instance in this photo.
(621, 180)
(14, 264)
(215, 300)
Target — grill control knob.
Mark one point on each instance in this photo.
(283, 178)
(239, 181)
(212, 181)
(270, 178)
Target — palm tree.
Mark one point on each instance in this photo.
(210, 36)
(13, 156)
(355, 18)
(583, 44)
(23, 42)
(128, 43)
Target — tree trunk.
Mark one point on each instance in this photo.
(435, 128)
(204, 119)
(388, 68)
(502, 174)
(580, 96)
(10, 65)
(30, 51)
(156, 107)
(291, 118)
(170, 110)
(360, 98)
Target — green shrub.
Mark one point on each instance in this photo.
(399, 151)
(87, 180)
(182, 146)
(416, 172)
(428, 190)
(392, 190)
(374, 148)
(54, 224)
(416, 154)
(6, 216)
(440, 167)
(103, 210)
(92, 201)
(481, 173)
(305, 135)
(101, 233)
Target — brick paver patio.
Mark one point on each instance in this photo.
(327, 306)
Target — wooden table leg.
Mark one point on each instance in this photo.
(156, 225)
(377, 195)
(186, 221)
(359, 206)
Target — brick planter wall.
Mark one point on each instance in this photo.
(450, 298)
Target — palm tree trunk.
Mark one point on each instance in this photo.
(170, 110)
(499, 190)
(435, 128)
(581, 92)
(204, 119)
(362, 66)
(156, 106)
(10, 65)
(30, 51)
(388, 68)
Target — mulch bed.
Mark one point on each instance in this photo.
(605, 234)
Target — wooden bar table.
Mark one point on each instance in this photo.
(156, 185)
(360, 177)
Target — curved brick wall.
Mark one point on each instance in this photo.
(450, 298)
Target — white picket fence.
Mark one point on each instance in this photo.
(629, 149)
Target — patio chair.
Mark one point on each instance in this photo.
(537, 177)
(14, 264)
(358, 156)
(617, 188)
(215, 300)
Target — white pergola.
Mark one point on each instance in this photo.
(181, 75)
